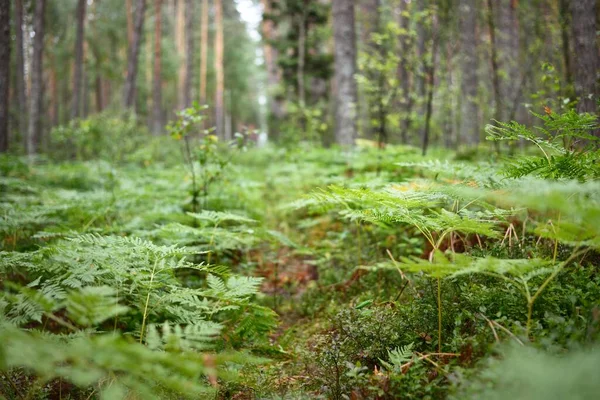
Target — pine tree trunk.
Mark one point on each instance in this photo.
(4, 72)
(420, 75)
(565, 25)
(273, 73)
(189, 49)
(469, 126)
(20, 65)
(430, 71)
(301, 59)
(54, 100)
(498, 101)
(345, 69)
(34, 136)
(134, 52)
(130, 27)
(403, 76)
(203, 51)
(507, 36)
(587, 63)
(220, 76)
(78, 71)
(180, 45)
(157, 80)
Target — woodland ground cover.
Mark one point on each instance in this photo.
(236, 272)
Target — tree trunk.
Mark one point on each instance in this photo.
(301, 58)
(180, 45)
(345, 69)
(34, 132)
(78, 71)
(403, 76)
(220, 78)
(565, 25)
(421, 40)
(204, 51)
(54, 99)
(189, 37)
(469, 127)
(430, 70)
(587, 61)
(269, 32)
(130, 28)
(20, 65)
(4, 72)
(498, 102)
(134, 52)
(507, 37)
(157, 80)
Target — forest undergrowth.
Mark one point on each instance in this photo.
(188, 268)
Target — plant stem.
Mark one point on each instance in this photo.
(147, 302)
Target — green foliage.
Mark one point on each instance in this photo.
(527, 373)
(102, 136)
(561, 140)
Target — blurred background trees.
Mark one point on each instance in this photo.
(435, 70)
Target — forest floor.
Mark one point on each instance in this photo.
(357, 302)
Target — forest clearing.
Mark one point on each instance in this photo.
(299, 199)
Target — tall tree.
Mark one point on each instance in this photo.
(587, 63)
(78, 71)
(507, 39)
(4, 72)
(129, 15)
(189, 49)
(20, 68)
(301, 56)
(430, 74)
(269, 32)
(421, 32)
(219, 70)
(157, 80)
(35, 110)
(469, 127)
(405, 44)
(565, 25)
(182, 54)
(345, 69)
(203, 51)
(134, 52)
(498, 101)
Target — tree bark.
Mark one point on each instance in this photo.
(507, 36)
(219, 70)
(301, 58)
(403, 75)
(269, 32)
(157, 80)
(469, 127)
(134, 52)
(421, 39)
(20, 65)
(189, 38)
(430, 70)
(587, 63)
(4, 72)
(498, 101)
(129, 15)
(345, 69)
(180, 45)
(565, 25)
(204, 51)
(34, 136)
(54, 98)
(78, 71)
